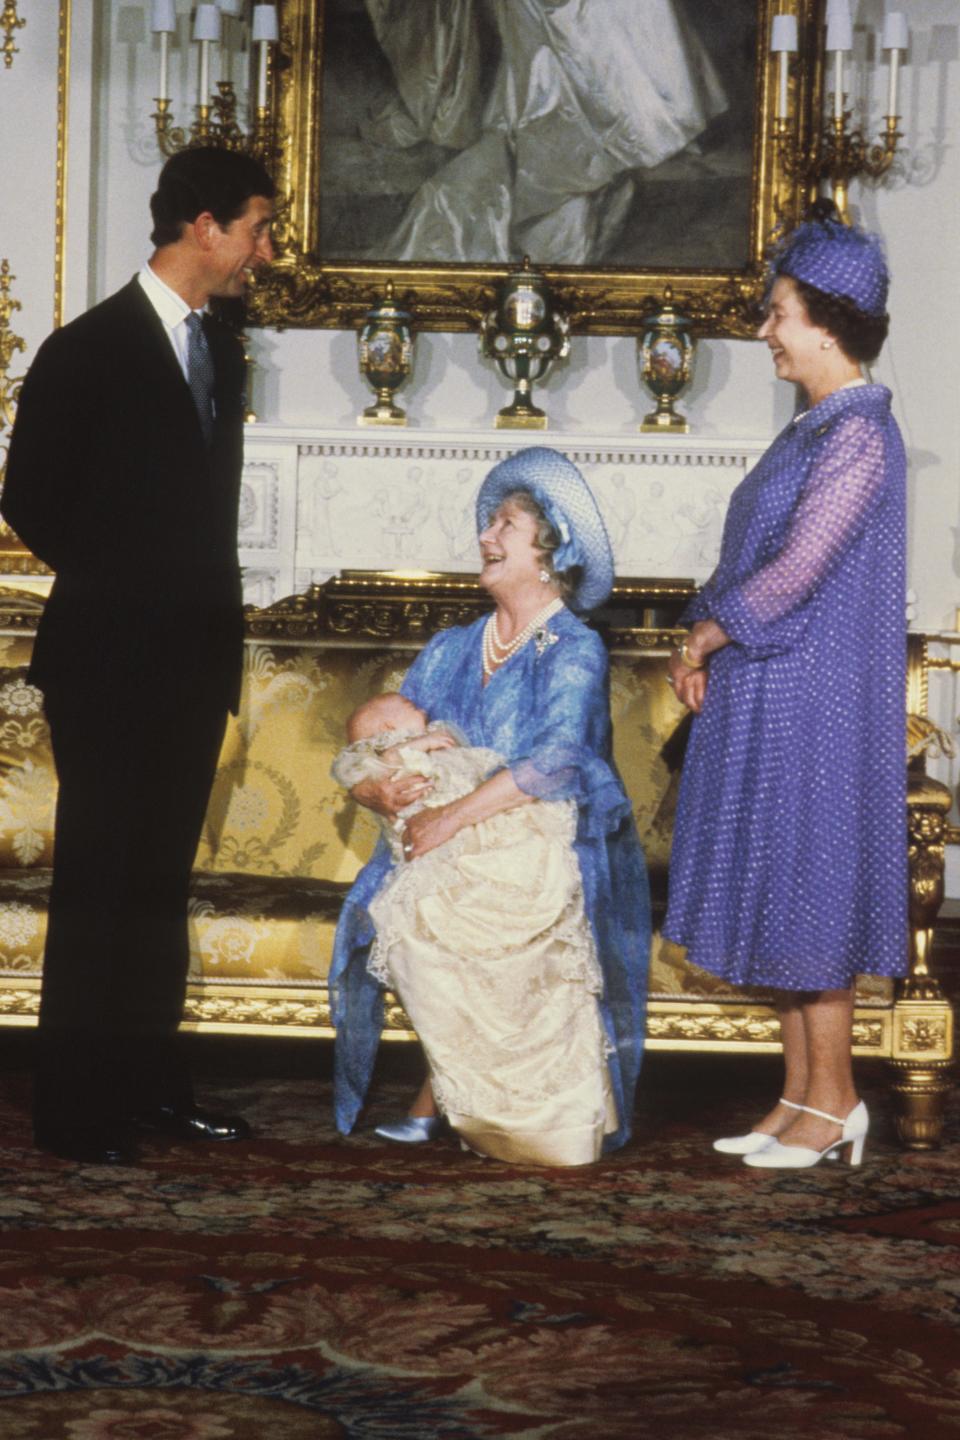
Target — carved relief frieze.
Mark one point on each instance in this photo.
(259, 506)
(385, 620)
(261, 588)
(924, 1030)
(225, 1009)
(690, 1028)
(744, 1028)
(267, 532)
(917, 1035)
(19, 611)
(19, 1005)
(408, 502)
(295, 617)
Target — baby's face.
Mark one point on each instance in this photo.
(398, 713)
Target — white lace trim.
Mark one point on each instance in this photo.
(468, 1069)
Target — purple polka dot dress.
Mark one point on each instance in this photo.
(789, 862)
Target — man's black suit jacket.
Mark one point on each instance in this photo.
(109, 482)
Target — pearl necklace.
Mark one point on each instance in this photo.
(496, 653)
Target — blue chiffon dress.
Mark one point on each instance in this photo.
(548, 711)
(789, 860)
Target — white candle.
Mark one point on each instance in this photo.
(206, 29)
(262, 75)
(839, 39)
(265, 32)
(164, 63)
(163, 22)
(896, 37)
(783, 42)
(892, 82)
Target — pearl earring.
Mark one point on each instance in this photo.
(545, 576)
(826, 344)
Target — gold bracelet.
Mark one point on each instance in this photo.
(688, 659)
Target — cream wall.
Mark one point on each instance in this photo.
(311, 377)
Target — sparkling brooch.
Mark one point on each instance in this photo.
(543, 638)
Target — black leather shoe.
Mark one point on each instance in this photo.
(90, 1145)
(188, 1122)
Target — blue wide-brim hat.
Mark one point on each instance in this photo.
(567, 501)
(836, 259)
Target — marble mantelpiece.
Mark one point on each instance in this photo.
(318, 501)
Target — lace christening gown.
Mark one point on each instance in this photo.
(487, 944)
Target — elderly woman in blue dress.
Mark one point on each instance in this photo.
(789, 858)
(528, 681)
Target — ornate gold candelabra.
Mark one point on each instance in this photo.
(836, 150)
(215, 112)
(216, 124)
(836, 154)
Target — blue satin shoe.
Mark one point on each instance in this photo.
(414, 1130)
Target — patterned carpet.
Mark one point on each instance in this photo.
(301, 1286)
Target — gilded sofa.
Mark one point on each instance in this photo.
(281, 843)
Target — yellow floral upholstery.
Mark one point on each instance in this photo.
(274, 808)
(27, 783)
(263, 929)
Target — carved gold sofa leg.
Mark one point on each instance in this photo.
(920, 1090)
(923, 1018)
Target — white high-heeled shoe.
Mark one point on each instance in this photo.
(751, 1143)
(801, 1157)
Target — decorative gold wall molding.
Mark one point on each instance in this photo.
(10, 22)
(9, 345)
(63, 131)
(15, 558)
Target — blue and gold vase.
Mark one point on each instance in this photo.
(665, 356)
(386, 358)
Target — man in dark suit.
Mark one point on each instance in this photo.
(123, 475)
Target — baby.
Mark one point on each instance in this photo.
(389, 735)
(485, 939)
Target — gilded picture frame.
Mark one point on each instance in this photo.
(310, 286)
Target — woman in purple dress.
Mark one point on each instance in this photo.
(789, 865)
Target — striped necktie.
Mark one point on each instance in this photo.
(200, 373)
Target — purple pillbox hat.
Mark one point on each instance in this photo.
(837, 259)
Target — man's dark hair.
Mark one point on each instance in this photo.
(206, 178)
